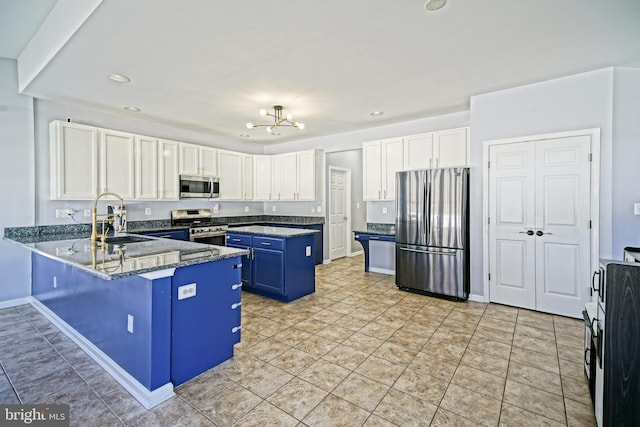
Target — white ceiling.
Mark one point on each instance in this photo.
(210, 66)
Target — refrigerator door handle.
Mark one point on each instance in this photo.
(450, 253)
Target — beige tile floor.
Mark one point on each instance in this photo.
(357, 352)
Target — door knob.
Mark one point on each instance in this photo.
(541, 233)
(528, 232)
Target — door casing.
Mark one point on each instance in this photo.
(594, 134)
(348, 238)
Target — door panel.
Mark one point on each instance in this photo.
(563, 214)
(338, 214)
(511, 212)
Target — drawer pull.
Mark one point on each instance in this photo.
(266, 243)
(236, 329)
(235, 305)
(236, 240)
(236, 286)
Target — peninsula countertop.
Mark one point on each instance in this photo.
(124, 255)
(264, 230)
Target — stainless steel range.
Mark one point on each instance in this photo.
(202, 228)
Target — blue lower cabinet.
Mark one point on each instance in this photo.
(147, 326)
(243, 242)
(279, 268)
(269, 270)
(205, 312)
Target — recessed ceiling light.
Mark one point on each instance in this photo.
(133, 109)
(245, 135)
(432, 5)
(376, 113)
(118, 78)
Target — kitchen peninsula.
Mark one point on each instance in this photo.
(153, 312)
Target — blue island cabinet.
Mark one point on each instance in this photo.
(282, 268)
(162, 328)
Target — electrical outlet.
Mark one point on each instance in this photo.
(246, 208)
(636, 208)
(130, 323)
(55, 282)
(147, 211)
(308, 251)
(186, 291)
(87, 213)
(216, 208)
(319, 209)
(358, 205)
(384, 210)
(273, 208)
(313, 208)
(64, 213)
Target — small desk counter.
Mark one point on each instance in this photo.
(382, 254)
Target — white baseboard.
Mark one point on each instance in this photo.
(382, 271)
(15, 302)
(147, 398)
(326, 261)
(476, 298)
(356, 253)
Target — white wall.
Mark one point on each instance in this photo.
(16, 176)
(626, 159)
(580, 101)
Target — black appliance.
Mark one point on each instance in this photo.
(203, 228)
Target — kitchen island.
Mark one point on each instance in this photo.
(280, 263)
(153, 312)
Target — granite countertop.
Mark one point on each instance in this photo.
(126, 255)
(272, 231)
(379, 229)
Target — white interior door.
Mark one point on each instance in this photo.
(338, 214)
(562, 225)
(539, 230)
(511, 216)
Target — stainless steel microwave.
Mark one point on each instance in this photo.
(206, 187)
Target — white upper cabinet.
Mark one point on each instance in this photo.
(208, 161)
(247, 176)
(418, 151)
(307, 177)
(198, 160)
(117, 163)
(262, 177)
(442, 149)
(230, 165)
(146, 157)
(73, 161)
(168, 170)
(288, 176)
(381, 160)
(451, 148)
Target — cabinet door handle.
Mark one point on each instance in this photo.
(236, 286)
(236, 329)
(253, 254)
(235, 305)
(430, 163)
(378, 194)
(437, 162)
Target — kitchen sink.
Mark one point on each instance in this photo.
(121, 240)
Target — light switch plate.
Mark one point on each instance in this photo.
(636, 208)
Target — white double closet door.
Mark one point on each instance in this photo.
(539, 225)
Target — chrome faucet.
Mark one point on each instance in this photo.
(106, 218)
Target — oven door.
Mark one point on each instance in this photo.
(218, 239)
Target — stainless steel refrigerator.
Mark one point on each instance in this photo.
(432, 232)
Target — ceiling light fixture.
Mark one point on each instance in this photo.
(120, 78)
(432, 5)
(278, 120)
(376, 113)
(133, 109)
